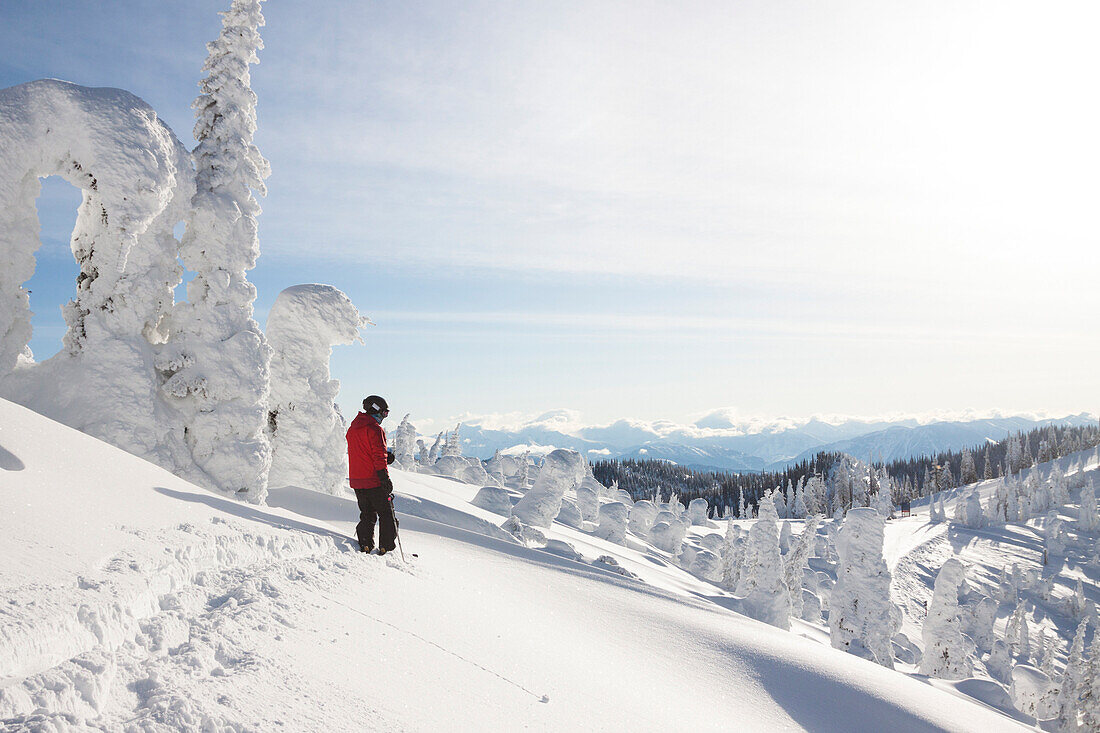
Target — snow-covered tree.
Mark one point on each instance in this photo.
(800, 511)
(435, 451)
(936, 511)
(523, 475)
(668, 532)
(1072, 683)
(780, 503)
(883, 500)
(862, 617)
(981, 619)
(946, 648)
(1090, 689)
(999, 662)
(1077, 605)
(1088, 519)
(732, 552)
(697, 512)
(967, 473)
(766, 596)
(305, 427)
(968, 510)
(1045, 658)
(217, 365)
(1023, 640)
(814, 495)
(136, 184)
(1059, 487)
(795, 560)
(742, 510)
(453, 444)
(404, 443)
(561, 471)
(1054, 540)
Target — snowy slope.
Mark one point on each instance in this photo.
(136, 601)
(916, 548)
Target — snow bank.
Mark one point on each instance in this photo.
(308, 448)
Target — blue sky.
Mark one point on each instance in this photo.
(649, 209)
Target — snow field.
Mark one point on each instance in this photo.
(200, 613)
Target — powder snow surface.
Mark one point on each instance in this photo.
(136, 601)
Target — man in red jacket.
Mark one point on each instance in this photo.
(367, 464)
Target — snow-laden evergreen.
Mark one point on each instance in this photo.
(217, 364)
(305, 427)
(136, 181)
(862, 617)
(946, 648)
(561, 471)
(765, 595)
(794, 562)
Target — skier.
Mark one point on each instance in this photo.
(370, 478)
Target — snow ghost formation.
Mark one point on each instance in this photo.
(561, 471)
(946, 649)
(766, 596)
(642, 515)
(668, 532)
(306, 429)
(697, 511)
(613, 522)
(224, 409)
(135, 180)
(862, 618)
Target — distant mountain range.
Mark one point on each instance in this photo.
(715, 443)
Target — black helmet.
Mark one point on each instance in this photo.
(375, 405)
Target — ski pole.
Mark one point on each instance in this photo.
(396, 528)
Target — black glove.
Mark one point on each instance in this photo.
(384, 481)
(390, 457)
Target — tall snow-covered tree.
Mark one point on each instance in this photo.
(795, 560)
(801, 511)
(1072, 685)
(404, 443)
(862, 617)
(217, 365)
(732, 552)
(453, 445)
(524, 472)
(1088, 519)
(967, 473)
(1090, 689)
(946, 649)
(436, 449)
(883, 499)
(306, 429)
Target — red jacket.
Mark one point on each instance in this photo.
(366, 452)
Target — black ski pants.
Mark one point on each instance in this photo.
(375, 504)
